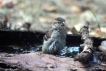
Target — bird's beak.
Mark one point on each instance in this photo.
(63, 24)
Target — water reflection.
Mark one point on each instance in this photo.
(73, 48)
(70, 51)
(28, 48)
(95, 58)
(20, 48)
(23, 48)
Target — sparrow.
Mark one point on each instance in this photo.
(55, 39)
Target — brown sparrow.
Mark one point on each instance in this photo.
(55, 39)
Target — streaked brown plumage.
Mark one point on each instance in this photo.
(55, 39)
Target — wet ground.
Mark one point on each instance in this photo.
(18, 42)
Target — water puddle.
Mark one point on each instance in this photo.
(20, 48)
(23, 48)
(70, 51)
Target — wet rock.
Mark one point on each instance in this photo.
(44, 62)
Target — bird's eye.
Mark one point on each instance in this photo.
(58, 22)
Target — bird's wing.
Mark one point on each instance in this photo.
(48, 35)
